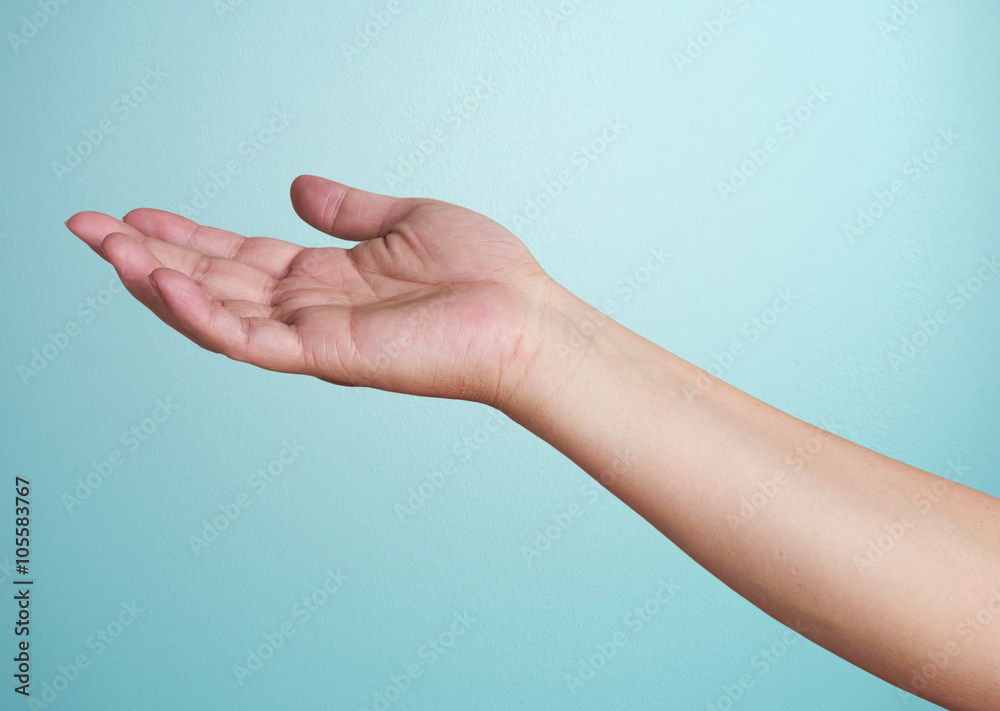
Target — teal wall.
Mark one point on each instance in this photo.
(384, 551)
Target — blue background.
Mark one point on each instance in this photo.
(362, 85)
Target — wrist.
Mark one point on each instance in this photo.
(584, 366)
(566, 340)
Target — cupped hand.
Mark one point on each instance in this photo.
(434, 299)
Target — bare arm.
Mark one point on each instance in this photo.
(439, 301)
(892, 568)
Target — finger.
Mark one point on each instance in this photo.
(224, 279)
(271, 256)
(263, 342)
(181, 231)
(93, 227)
(344, 212)
(134, 263)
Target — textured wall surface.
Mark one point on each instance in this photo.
(393, 552)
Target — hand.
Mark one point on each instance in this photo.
(433, 299)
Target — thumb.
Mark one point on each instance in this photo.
(342, 211)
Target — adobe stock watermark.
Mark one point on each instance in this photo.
(463, 450)
(752, 330)
(367, 33)
(31, 26)
(890, 534)
(99, 642)
(451, 119)
(419, 322)
(6, 570)
(57, 343)
(583, 327)
(885, 198)
(225, 7)
(300, 613)
(763, 491)
(563, 10)
(428, 654)
(965, 632)
(130, 441)
(713, 29)
(580, 161)
(761, 663)
(634, 621)
(621, 462)
(902, 13)
(785, 129)
(957, 299)
(257, 483)
(559, 524)
(246, 153)
(632, 283)
(121, 108)
(571, 348)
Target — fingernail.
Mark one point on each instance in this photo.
(155, 287)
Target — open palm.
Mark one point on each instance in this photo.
(433, 300)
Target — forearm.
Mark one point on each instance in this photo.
(777, 509)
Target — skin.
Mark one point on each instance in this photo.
(892, 568)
